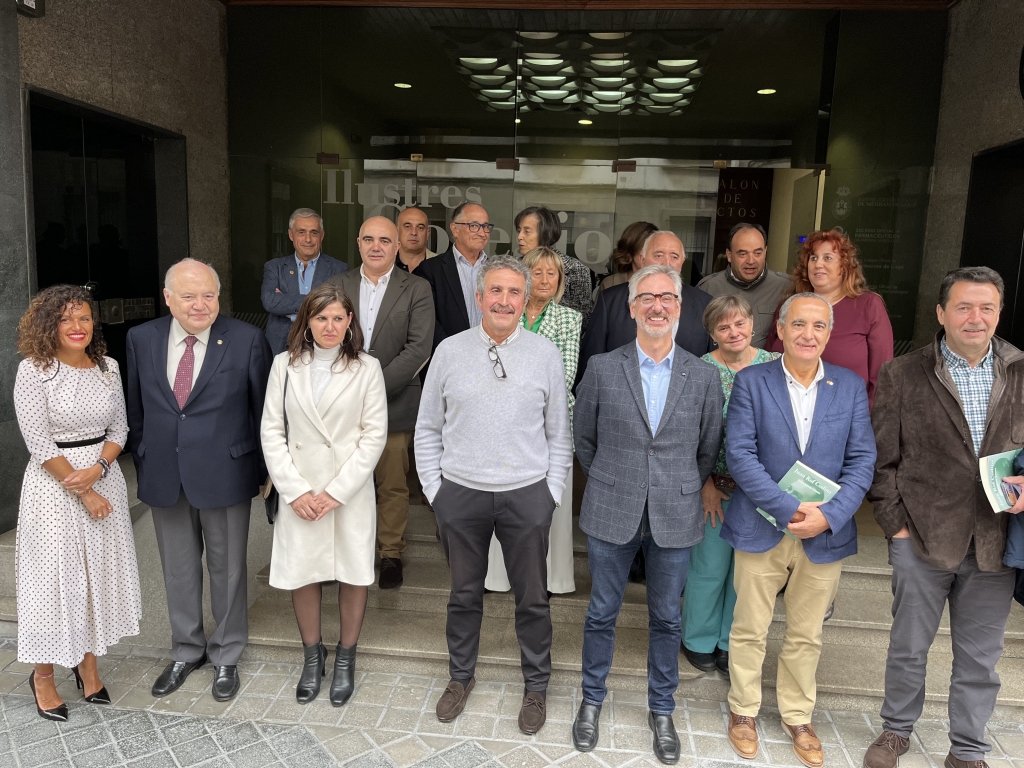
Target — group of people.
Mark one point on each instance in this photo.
(685, 408)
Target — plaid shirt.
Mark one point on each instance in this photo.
(974, 386)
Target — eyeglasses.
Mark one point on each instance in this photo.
(476, 226)
(492, 353)
(648, 299)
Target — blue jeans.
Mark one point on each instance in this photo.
(609, 572)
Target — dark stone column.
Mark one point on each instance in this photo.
(14, 260)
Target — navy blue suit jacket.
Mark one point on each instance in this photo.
(450, 313)
(211, 447)
(281, 273)
(761, 446)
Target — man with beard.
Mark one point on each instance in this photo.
(647, 425)
(493, 450)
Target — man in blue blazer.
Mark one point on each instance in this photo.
(195, 389)
(796, 408)
(287, 279)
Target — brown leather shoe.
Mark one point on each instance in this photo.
(533, 713)
(743, 735)
(453, 700)
(954, 762)
(806, 745)
(885, 751)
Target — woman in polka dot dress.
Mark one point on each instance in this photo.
(77, 578)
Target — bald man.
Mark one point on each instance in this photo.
(413, 234)
(396, 312)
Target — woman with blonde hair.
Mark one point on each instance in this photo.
(76, 574)
(562, 326)
(325, 421)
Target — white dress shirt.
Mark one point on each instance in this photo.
(176, 348)
(803, 400)
(467, 276)
(370, 296)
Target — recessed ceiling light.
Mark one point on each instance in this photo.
(402, 85)
(586, 122)
(766, 91)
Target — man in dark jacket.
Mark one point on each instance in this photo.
(937, 411)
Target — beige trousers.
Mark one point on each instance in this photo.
(811, 590)
(393, 495)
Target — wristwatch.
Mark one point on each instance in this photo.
(104, 467)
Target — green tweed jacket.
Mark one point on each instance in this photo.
(562, 326)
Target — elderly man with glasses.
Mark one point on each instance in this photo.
(452, 275)
(493, 451)
(647, 426)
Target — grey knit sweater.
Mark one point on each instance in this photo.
(493, 434)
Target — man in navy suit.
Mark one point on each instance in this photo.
(196, 383)
(796, 408)
(287, 279)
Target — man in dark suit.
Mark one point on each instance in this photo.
(610, 325)
(196, 383)
(647, 426)
(396, 313)
(287, 279)
(452, 274)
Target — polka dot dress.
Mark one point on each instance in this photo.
(77, 578)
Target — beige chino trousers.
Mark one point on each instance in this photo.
(392, 476)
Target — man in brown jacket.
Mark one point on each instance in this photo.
(937, 410)
(396, 312)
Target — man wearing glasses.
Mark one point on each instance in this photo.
(452, 275)
(493, 451)
(647, 426)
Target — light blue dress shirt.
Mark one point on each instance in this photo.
(305, 273)
(655, 377)
(467, 276)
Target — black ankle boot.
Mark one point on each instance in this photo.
(344, 682)
(314, 667)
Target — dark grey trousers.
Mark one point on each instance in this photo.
(521, 520)
(979, 606)
(182, 532)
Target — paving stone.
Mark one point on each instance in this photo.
(348, 745)
(196, 751)
(312, 758)
(373, 759)
(139, 746)
(256, 756)
(88, 738)
(237, 736)
(408, 751)
(41, 753)
(96, 758)
(525, 757)
(154, 761)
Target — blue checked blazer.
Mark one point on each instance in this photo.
(627, 466)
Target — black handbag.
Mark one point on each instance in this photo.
(271, 497)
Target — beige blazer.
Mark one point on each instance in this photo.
(332, 446)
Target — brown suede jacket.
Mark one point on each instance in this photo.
(926, 475)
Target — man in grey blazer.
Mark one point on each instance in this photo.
(647, 425)
(396, 312)
(287, 279)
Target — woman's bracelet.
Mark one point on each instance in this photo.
(104, 467)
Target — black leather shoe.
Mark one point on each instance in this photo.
(100, 697)
(721, 661)
(831, 610)
(344, 683)
(666, 740)
(58, 714)
(705, 662)
(314, 667)
(585, 727)
(174, 675)
(225, 682)
(390, 573)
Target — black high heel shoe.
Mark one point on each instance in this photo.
(100, 697)
(59, 714)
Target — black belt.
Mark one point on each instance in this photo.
(80, 443)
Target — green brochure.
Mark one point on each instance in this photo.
(994, 468)
(803, 484)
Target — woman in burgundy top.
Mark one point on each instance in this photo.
(862, 335)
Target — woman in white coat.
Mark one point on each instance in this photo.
(324, 426)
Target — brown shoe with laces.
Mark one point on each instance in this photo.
(806, 745)
(954, 762)
(453, 700)
(885, 751)
(533, 713)
(743, 735)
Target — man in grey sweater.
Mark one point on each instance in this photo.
(493, 450)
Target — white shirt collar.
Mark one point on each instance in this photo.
(382, 280)
(178, 334)
(491, 342)
(792, 380)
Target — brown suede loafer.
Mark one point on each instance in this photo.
(743, 735)
(806, 745)
(533, 713)
(885, 751)
(453, 700)
(956, 762)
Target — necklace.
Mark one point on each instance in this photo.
(737, 370)
(532, 316)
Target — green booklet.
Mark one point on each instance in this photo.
(994, 468)
(803, 484)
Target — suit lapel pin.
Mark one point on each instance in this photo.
(826, 381)
(291, 271)
(221, 341)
